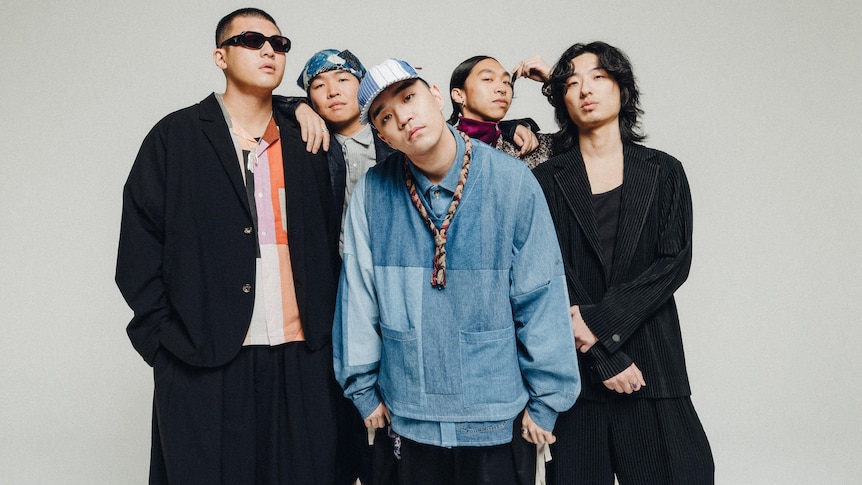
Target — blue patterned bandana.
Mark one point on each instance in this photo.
(329, 60)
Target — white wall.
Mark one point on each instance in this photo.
(760, 100)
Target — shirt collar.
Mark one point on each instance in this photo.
(364, 137)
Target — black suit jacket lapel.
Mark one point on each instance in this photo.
(640, 177)
(574, 185)
(216, 130)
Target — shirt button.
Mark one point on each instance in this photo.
(260, 194)
(615, 337)
(263, 233)
(248, 230)
(437, 193)
(246, 288)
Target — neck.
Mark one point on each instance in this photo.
(347, 129)
(486, 131)
(600, 143)
(437, 162)
(252, 112)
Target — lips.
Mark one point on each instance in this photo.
(413, 133)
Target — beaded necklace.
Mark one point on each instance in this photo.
(438, 275)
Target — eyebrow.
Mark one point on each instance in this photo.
(597, 68)
(401, 87)
(491, 71)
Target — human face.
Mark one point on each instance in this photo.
(333, 95)
(487, 92)
(592, 96)
(256, 71)
(409, 117)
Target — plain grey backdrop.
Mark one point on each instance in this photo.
(759, 100)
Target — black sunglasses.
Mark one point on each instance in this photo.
(255, 40)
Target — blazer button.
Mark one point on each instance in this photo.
(246, 288)
(248, 230)
(615, 337)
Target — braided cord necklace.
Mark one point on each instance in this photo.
(438, 275)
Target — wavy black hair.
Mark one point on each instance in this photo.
(619, 68)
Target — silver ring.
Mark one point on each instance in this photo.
(523, 430)
(324, 130)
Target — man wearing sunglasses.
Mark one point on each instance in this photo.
(228, 258)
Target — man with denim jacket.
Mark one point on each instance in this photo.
(452, 314)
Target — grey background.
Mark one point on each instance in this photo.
(760, 100)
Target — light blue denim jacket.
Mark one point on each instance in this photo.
(455, 366)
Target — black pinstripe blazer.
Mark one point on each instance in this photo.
(633, 314)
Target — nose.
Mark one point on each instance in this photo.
(403, 117)
(267, 50)
(586, 87)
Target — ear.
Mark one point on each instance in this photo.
(380, 135)
(218, 58)
(438, 96)
(457, 95)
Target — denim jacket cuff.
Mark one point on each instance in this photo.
(366, 403)
(542, 415)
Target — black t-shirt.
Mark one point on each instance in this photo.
(607, 208)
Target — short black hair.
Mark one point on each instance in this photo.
(224, 23)
(619, 68)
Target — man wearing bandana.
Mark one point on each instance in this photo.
(331, 78)
(452, 321)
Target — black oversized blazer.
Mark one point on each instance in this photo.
(633, 315)
(186, 258)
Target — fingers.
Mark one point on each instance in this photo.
(536, 435)
(620, 386)
(533, 67)
(326, 140)
(533, 433)
(638, 383)
(626, 382)
(530, 143)
(316, 139)
(375, 421)
(379, 418)
(312, 129)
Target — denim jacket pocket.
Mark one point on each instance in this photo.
(399, 365)
(489, 365)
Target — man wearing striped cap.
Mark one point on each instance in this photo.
(452, 320)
